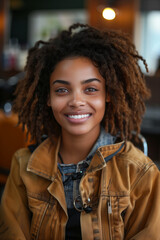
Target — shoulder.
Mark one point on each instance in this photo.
(136, 166)
(22, 152)
(23, 155)
(134, 156)
(20, 159)
(131, 167)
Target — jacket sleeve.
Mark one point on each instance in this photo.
(143, 214)
(14, 212)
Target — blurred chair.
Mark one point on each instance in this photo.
(141, 143)
(11, 139)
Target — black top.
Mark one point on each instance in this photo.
(73, 229)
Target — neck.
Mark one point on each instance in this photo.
(75, 148)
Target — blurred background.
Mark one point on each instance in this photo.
(22, 22)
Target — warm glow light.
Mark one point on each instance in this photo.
(109, 13)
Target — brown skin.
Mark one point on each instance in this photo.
(82, 92)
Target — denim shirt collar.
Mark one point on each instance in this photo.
(103, 139)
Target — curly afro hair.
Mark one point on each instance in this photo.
(112, 52)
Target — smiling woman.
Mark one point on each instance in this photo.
(85, 92)
(77, 98)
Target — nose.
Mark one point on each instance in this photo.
(77, 100)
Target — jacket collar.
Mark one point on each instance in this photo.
(104, 154)
(103, 140)
(43, 161)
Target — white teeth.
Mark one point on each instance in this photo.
(78, 116)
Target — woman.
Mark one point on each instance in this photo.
(84, 93)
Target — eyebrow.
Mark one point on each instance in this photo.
(83, 82)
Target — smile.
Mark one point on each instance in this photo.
(79, 116)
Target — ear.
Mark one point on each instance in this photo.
(108, 99)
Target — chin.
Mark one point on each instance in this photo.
(80, 131)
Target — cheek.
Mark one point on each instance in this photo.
(100, 105)
(56, 105)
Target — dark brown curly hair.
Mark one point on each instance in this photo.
(112, 52)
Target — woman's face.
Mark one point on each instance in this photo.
(77, 96)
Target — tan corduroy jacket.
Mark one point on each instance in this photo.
(122, 184)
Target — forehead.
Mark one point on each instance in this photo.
(77, 68)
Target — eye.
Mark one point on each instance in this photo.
(61, 90)
(91, 89)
